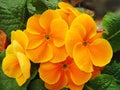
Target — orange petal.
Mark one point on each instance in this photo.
(60, 54)
(82, 58)
(98, 35)
(68, 8)
(78, 77)
(88, 24)
(49, 73)
(100, 52)
(59, 85)
(47, 17)
(74, 35)
(33, 25)
(63, 15)
(72, 86)
(10, 66)
(43, 53)
(21, 80)
(35, 40)
(20, 37)
(58, 32)
(24, 64)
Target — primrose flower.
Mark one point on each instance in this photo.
(67, 12)
(97, 71)
(16, 64)
(64, 74)
(85, 45)
(46, 34)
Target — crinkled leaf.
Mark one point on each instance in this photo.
(111, 24)
(114, 70)
(37, 84)
(103, 82)
(36, 6)
(12, 15)
(39, 6)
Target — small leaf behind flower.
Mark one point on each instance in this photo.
(12, 15)
(111, 24)
(102, 82)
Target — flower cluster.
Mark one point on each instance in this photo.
(65, 43)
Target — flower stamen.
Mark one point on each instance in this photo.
(85, 43)
(47, 37)
(65, 66)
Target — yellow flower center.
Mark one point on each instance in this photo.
(65, 66)
(85, 43)
(47, 37)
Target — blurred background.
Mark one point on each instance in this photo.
(97, 7)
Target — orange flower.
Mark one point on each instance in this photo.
(15, 63)
(67, 12)
(46, 34)
(86, 46)
(63, 74)
(97, 71)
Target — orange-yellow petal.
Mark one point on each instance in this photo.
(72, 86)
(88, 24)
(74, 35)
(49, 72)
(60, 54)
(59, 85)
(35, 40)
(21, 80)
(82, 58)
(42, 53)
(47, 17)
(58, 32)
(68, 8)
(24, 64)
(10, 66)
(17, 47)
(9, 50)
(78, 77)
(100, 52)
(20, 37)
(33, 25)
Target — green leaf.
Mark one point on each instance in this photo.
(2, 55)
(114, 70)
(37, 84)
(65, 89)
(36, 6)
(51, 4)
(103, 82)
(13, 15)
(39, 6)
(111, 24)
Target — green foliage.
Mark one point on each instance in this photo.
(111, 24)
(39, 6)
(12, 15)
(37, 84)
(114, 70)
(102, 82)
